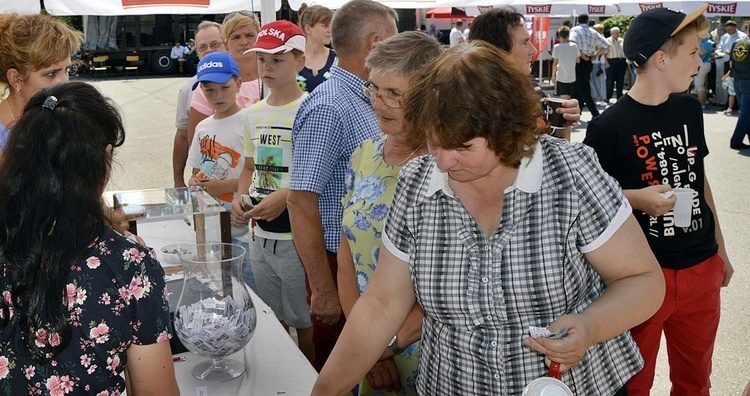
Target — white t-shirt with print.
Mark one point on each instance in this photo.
(217, 149)
(268, 140)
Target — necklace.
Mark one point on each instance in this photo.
(13, 116)
(408, 156)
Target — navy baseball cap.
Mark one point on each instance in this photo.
(216, 67)
(651, 29)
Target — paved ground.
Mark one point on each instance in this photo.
(145, 161)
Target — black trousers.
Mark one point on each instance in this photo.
(616, 76)
(583, 86)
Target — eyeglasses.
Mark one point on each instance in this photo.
(372, 92)
(246, 13)
(214, 46)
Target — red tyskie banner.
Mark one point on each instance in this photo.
(539, 29)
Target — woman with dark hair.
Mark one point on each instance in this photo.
(505, 29)
(499, 229)
(81, 303)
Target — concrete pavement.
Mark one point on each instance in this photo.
(145, 161)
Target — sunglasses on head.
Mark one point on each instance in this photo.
(246, 13)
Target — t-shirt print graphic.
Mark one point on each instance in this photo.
(216, 161)
(669, 160)
(268, 166)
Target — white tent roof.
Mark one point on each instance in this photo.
(715, 7)
(544, 7)
(599, 7)
(473, 7)
(397, 4)
(20, 6)
(148, 7)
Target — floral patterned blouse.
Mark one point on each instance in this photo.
(116, 297)
(370, 186)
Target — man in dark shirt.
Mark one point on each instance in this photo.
(740, 57)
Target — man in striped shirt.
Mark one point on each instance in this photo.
(591, 44)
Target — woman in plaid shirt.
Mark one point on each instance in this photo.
(500, 229)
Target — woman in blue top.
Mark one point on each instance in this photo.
(315, 21)
(35, 53)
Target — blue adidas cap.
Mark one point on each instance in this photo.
(216, 67)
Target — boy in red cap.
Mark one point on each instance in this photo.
(276, 265)
(651, 141)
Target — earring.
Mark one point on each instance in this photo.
(18, 88)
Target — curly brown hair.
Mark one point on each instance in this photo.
(474, 90)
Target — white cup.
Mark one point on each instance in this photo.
(683, 208)
(547, 386)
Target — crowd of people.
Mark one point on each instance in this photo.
(411, 244)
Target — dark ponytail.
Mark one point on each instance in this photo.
(52, 175)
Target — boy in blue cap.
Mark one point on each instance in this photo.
(216, 150)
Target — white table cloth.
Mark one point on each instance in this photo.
(274, 365)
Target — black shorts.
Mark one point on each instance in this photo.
(564, 88)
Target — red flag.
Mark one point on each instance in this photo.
(540, 26)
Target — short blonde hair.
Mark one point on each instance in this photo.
(237, 22)
(31, 42)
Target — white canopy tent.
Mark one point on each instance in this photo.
(600, 7)
(396, 4)
(148, 7)
(715, 7)
(20, 6)
(545, 7)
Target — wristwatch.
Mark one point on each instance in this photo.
(393, 345)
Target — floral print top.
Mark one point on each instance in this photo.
(370, 186)
(115, 297)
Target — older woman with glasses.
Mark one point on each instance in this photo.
(239, 32)
(371, 183)
(501, 228)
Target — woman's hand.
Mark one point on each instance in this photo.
(270, 207)
(118, 220)
(567, 351)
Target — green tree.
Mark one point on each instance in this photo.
(621, 21)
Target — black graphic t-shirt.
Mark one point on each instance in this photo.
(741, 59)
(641, 145)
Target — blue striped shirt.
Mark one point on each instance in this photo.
(588, 40)
(329, 125)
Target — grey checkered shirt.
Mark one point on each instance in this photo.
(587, 39)
(480, 296)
